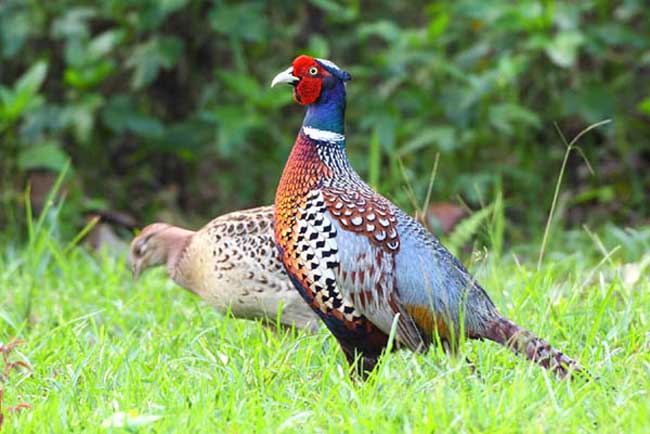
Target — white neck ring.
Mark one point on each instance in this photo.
(322, 135)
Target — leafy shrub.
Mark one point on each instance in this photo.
(166, 103)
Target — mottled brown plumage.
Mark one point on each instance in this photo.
(231, 263)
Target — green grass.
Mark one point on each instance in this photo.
(100, 344)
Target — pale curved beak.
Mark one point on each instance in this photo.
(136, 266)
(137, 270)
(285, 76)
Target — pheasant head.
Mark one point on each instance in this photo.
(320, 85)
(157, 244)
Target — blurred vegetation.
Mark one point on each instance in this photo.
(165, 104)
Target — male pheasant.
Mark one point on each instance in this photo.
(362, 263)
(231, 263)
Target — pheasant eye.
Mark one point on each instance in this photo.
(140, 247)
(313, 70)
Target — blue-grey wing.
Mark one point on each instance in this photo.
(430, 278)
(366, 275)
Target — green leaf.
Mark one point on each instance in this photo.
(116, 112)
(120, 115)
(467, 228)
(89, 76)
(149, 57)
(604, 194)
(74, 23)
(186, 138)
(16, 27)
(245, 20)
(105, 43)
(45, 155)
(592, 102)
(338, 12)
(509, 68)
(145, 126)
(41, 121)
(169, 6)
(384, 29)
(563, 49)
(32, 80)
(506, 117)
(644, 106)
(319, 46)
(80, 115)
(241, 84)
(24, 94)
(437, 26)
(234, 126)
(442, 136)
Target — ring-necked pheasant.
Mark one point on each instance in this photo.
(231, 263)
(361, 262)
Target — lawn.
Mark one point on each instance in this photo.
(102, 348)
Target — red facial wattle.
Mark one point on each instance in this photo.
(310, 85)
(307, 90)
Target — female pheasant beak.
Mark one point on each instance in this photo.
(285, 76)
(136, 268)
(136, 259)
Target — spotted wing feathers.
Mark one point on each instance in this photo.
(368, 241)
(362, 211)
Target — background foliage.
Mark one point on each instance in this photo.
(166, 105)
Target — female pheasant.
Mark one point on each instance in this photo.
(231, 263)
(362, 263)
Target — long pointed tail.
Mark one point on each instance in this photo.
(509, 334)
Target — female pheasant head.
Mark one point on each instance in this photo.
(320, 85)
(157, 244)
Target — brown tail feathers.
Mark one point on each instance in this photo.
(509, 334)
